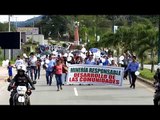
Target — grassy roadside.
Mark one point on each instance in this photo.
(146, 73)
(12, 62)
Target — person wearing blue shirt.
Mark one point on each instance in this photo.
(90, 61)
(133, 67)
(106, 62)
(49, 70)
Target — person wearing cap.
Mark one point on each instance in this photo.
(133, 67)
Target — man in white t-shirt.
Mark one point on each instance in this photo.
(110, 58)
(32, 63)
(19, 61)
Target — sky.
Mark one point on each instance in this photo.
(4, 18)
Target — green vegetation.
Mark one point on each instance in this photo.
(4, 27)
(147, 74)
(136, 33)
(12, 62)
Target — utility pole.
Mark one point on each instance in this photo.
(96, 28)
(113, 23)
(9, 29)
(159, 40)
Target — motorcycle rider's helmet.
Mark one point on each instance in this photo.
(21, 69)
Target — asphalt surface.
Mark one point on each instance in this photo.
(85, 95)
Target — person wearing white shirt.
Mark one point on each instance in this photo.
(32, 63)
(110, 58)
(19, 61)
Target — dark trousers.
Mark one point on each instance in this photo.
(33, 72)
(134, 77)
(59, 80)
(38, 72)
(49, 77)
(125, 73)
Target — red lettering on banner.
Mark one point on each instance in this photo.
(113, 77)
(76, 74)
(84, 75)
(110, 77)
(74, 79)
(113, 81)
(88, 79)
(97, 75)
(110, 81)
(81, 79)
(81, 75)
(93, 80)
(105, 76)
(103, 80)
(84, 79)
(88, 75)
(97, 80)
(92, 75)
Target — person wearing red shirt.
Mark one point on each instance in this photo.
(58, 74)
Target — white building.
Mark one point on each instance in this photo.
(37, 38)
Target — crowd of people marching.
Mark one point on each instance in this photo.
(56, 64)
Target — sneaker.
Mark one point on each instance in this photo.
(134, 87)
(57, 89)
(61, 88)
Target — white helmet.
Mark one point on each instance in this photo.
(21, 67)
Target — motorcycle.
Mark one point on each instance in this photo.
(21, 96)
(156, 99)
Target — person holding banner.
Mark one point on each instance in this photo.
(113, 63)
(133, 67)
(90, 60)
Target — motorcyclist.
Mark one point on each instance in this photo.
(157, 85)
(157, 75)
(20, 79)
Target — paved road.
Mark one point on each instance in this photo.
(86, 95)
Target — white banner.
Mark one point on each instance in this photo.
(95, 74)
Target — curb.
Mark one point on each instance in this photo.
(145, 81)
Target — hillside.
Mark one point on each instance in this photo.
(28, 22)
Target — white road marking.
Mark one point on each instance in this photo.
(75, 91)
(149, 89)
